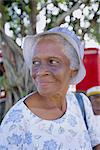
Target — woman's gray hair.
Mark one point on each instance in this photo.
(71, 54)
(69, 51)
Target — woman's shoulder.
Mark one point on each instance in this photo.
(76, 94)
(35, 100)
(79, 97)
(16, 112)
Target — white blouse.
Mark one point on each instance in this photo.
(23, 130)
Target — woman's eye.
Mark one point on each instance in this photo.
(35, 62)
(53, 62)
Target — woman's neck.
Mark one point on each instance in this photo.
(57, 101)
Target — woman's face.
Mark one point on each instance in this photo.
(50, 67)
(95, 100)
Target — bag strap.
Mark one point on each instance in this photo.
(81, 104)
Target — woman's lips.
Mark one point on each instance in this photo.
(44, 82)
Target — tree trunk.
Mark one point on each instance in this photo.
(17, 79)
(33, 14)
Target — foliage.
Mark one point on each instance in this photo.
(2, 81)
(81, 16)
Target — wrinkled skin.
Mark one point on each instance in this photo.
(51, 74)
(51, 68)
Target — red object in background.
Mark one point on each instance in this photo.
(92, 65)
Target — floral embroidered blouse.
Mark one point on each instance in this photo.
(23, 130)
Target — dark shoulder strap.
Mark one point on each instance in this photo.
(81, 104)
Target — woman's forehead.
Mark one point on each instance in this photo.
(54, 39)
(49, 45)
(49, 48)
(48, 40)
(51, 37)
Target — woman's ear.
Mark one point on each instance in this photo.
(74, 73)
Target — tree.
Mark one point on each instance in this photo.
(17, 81)
(22, 18)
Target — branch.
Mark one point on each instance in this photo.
(10, 42)
(62, 17)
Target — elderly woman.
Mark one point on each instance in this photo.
(51, 118)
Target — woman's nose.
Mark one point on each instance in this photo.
(43, 70)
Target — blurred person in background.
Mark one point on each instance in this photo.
(94, 95)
